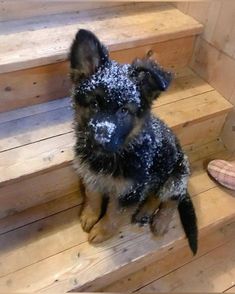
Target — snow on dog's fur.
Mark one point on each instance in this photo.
(124, 155)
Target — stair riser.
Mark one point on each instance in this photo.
(47, 185)
(40, 84)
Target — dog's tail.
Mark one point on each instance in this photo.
(189, 221)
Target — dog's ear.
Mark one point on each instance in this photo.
(87, 54)
(151, 77)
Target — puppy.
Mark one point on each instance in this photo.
(123, 154)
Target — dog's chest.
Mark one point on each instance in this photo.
(105, 184)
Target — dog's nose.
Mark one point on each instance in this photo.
(103, 131)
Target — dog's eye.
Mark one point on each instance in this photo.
(124, 110)
(93, 105)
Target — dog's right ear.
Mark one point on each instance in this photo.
(87, 54)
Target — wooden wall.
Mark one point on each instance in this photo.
(214, 54)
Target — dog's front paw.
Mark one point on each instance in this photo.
(88, 218)
(102, 231)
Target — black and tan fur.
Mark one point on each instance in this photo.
(124, 156)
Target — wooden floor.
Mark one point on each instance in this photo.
(211, 272)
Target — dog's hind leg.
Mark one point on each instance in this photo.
(161, 220)
(174, 195)
(170, 195)
(146, 210)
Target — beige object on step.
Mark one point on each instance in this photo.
(223, 171)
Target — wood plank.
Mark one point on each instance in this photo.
(56, 151)
(199, 182)
(171, 262)
(207, 150)
(36, 190)
(182, 6)
(39, 172)
(50, 44)
(183, 87)
(66, 270)
(193, 109)
(170, 54)
(213, 272)
(213, 12)
(223, 37)
(202, 132)
(33, 110)
(33, 86)
(63, 19)
(217, 68)
(37, 127)
(41, 211)
(15, 162)
(199, 11)
(51, 185)
(32, 124)
(43, 155)
(30, 9)
(44, 83)
(41, 240)
(35, 197)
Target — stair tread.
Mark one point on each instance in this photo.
(46, 40)
(40, 137)
(53, 253)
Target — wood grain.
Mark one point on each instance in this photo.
(36, 157)
(67, 270)
(44, 83)
(36, 142)
(214, 272)
(38, 212)
(33, 86)
(175, 260)
(223, 37)
(37, 189)
(217, 68)
(35, 123)
(31, 9)
(51, 198)
(193, 109)
(171, 54)
(124, 29)
(214, 55)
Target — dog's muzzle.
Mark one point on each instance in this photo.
(105, 134)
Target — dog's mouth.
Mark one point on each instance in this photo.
(104, 145)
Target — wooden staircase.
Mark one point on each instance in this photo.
(43, 247)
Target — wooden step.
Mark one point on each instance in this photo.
(52, 254)
(35, 69)
(10, 9)
(36, 142)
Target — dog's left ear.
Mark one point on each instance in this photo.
(87, 54)
(151, 78)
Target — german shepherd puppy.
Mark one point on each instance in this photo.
(124, 155)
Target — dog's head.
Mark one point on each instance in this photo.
(112, 100)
